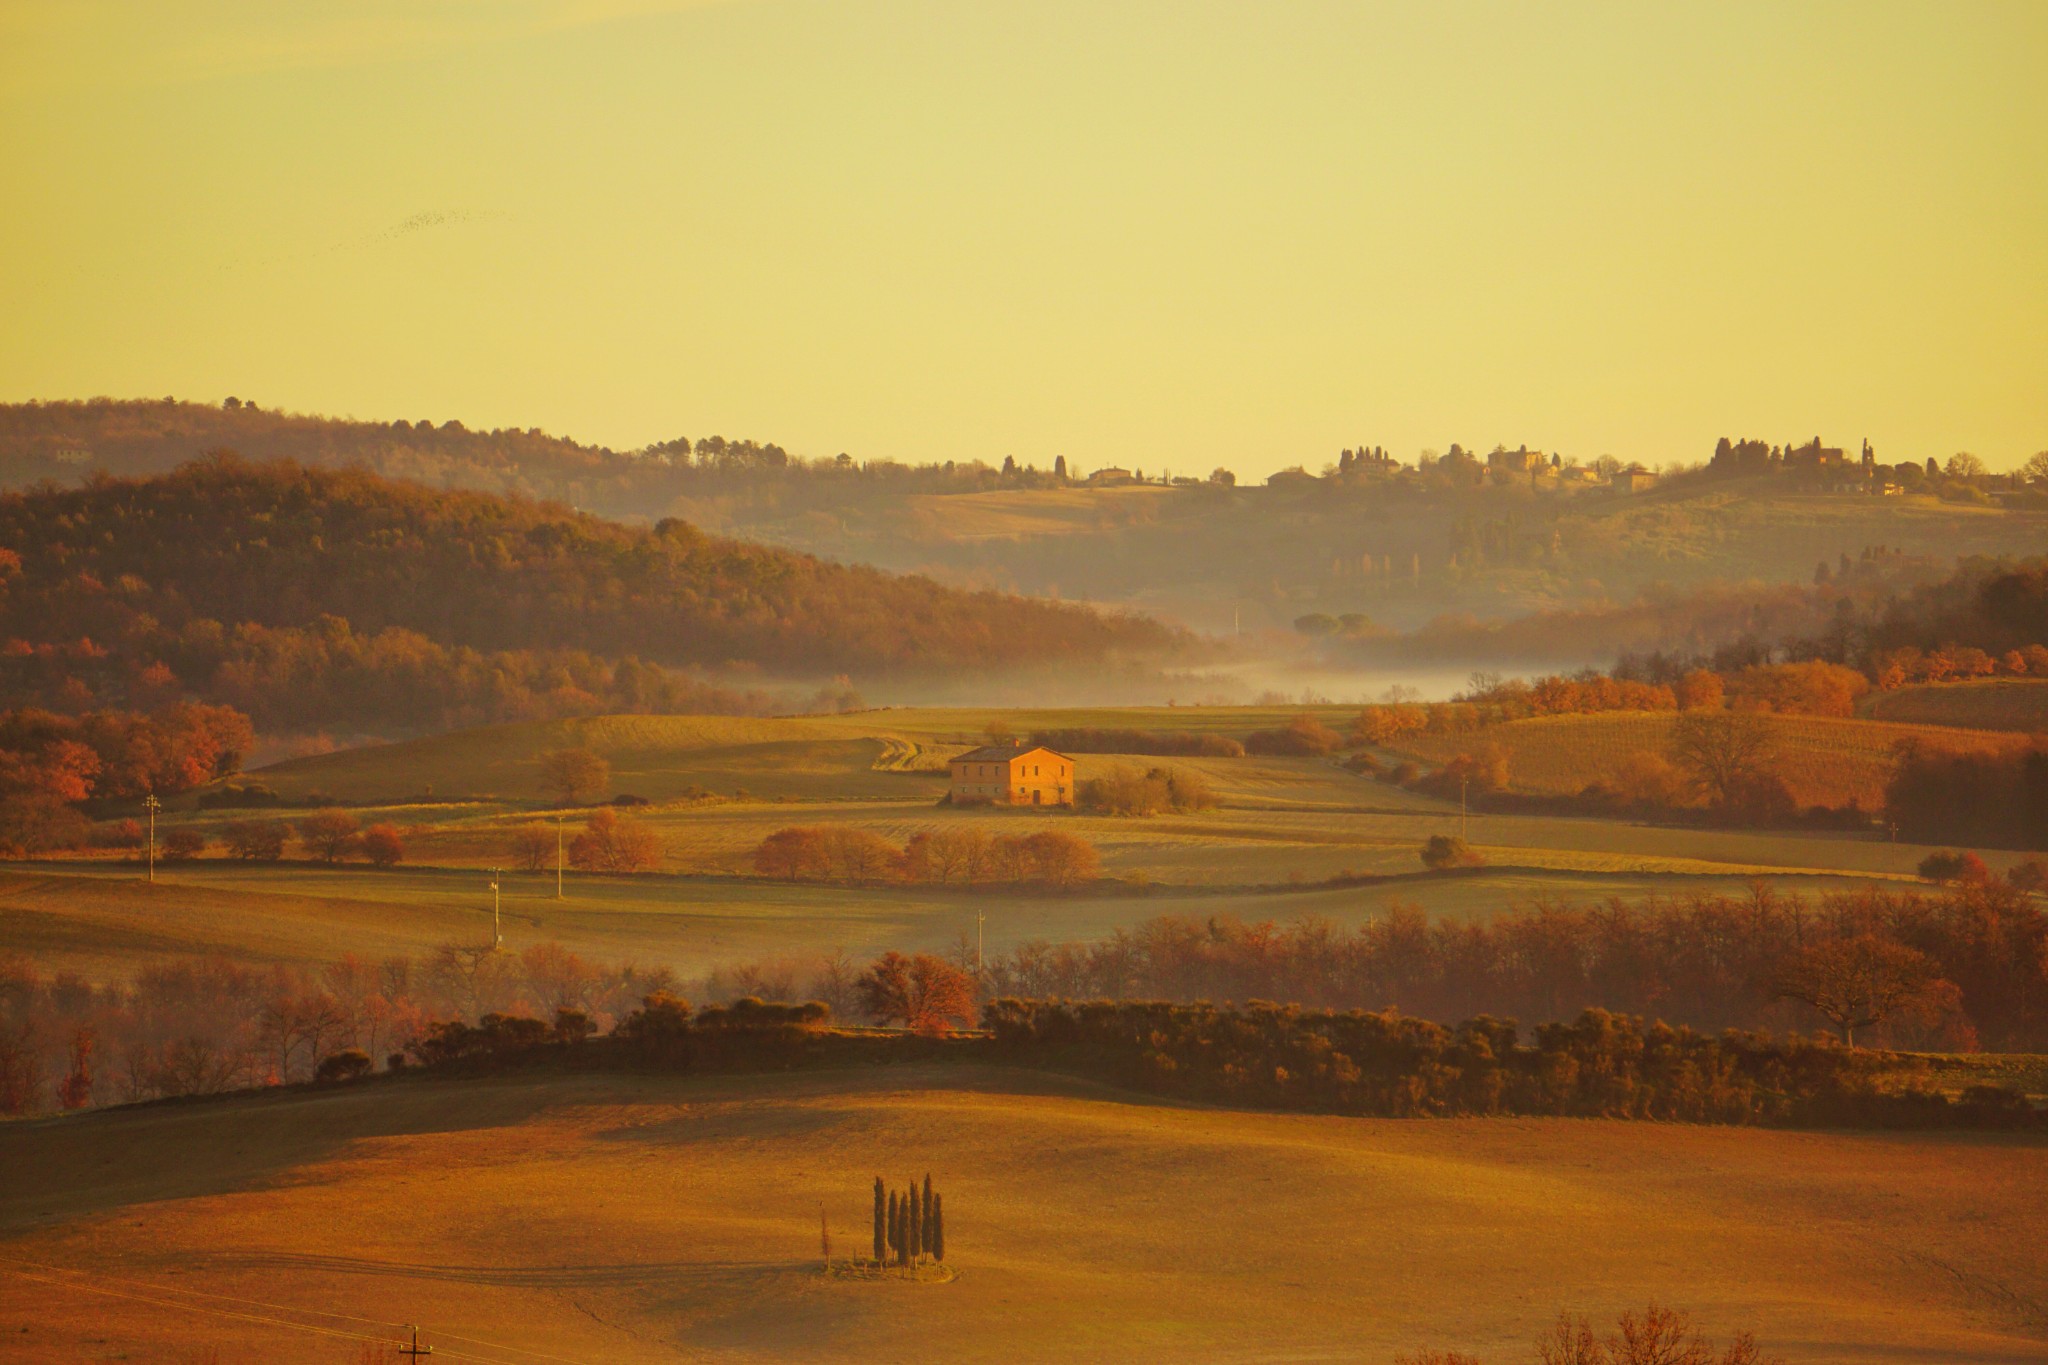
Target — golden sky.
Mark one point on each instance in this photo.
(1173, 235)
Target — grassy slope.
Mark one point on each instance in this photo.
(659, 757)
(1200, 543)
(1284, 825)
(1825, 760)
(663, 1218)
(1987, 704)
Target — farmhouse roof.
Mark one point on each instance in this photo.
(1003, 753)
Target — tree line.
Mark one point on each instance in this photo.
(1961, 967)
(958, 856)
(52, 766)
(1946, 971)
(202, 1025)
(1597, 1065)
(223, 579)
(64, 441)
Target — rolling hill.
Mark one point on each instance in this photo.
(1213, 556)
(322, 597)
(656, 1218)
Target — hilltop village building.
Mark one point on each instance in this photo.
(1012, 775)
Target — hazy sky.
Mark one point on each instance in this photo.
(1177, 235)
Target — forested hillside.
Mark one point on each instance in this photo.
(1460, 540)
(322, 597)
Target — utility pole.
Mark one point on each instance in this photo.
(152, 805)
(558, 855)
(979, 916)
(497, 933)
(415, 1350)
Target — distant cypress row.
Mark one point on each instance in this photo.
(914, 1241)
(881, 1227)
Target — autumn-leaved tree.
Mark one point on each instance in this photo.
(924, 993)
(793, 853)
(329, 835)
(259, 841)
(573, 775)
(383, 845)
(611, 842)
(1858, 980)
(1723, 753)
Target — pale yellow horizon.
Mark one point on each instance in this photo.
(1170, 235)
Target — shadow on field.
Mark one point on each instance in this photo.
(622, 1275)
(83, 1164)
(75, 1166)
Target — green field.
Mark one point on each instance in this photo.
(1284, 827)
(569, 1219)
(1825, 760)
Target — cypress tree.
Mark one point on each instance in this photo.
(914, 1242)
(903, 1231)
(895, 1239)
(881, 1228)
(938, 1227)
(925, 1221)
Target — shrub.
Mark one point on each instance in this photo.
(118, 834)
(183, 844)
(1952, 868)
(1124, 791)
(255, 840)
(2029, 874)
(611, 842)
(350, 1064)
(383, 845)
(1467, 774)
(793, 854)
(1058, 858)
(1305, 737)
(1445, 851)
(241, 795)
(1647, 779)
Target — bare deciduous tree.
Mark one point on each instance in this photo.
(574, 774)
(1722, 752)
(1857, 981)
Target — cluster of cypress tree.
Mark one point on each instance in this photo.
(910, 1225)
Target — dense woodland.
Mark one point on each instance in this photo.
(311, 597)
(1464, 541)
